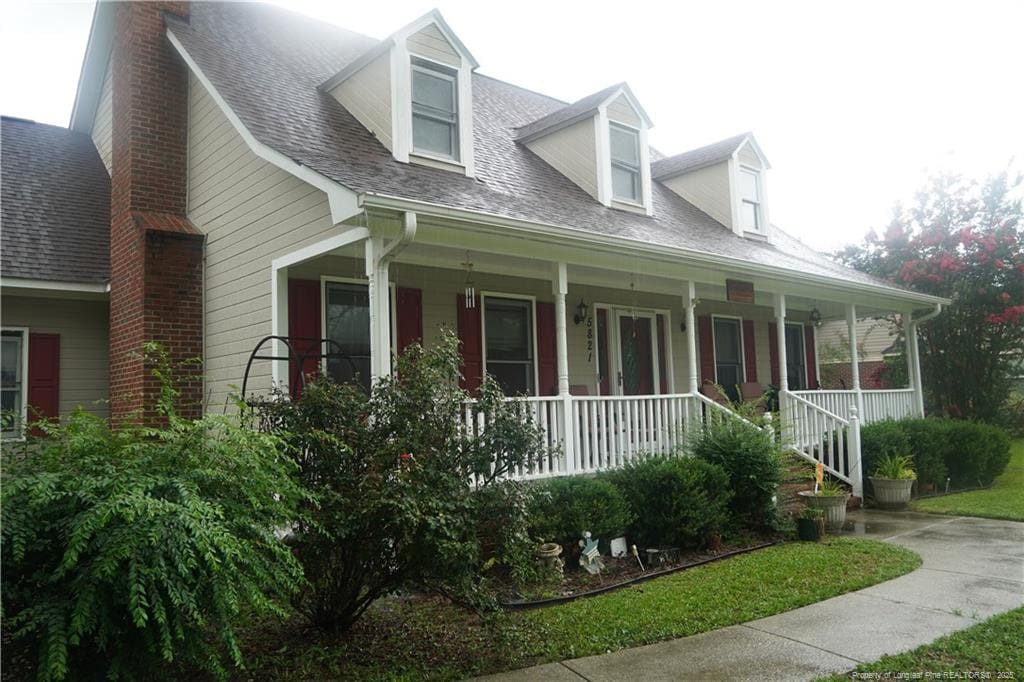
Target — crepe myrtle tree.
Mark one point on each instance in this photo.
(962, 239)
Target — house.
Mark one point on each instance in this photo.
(877, 339)
(271, 175)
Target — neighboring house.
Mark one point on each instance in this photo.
(877, 339)
(275, 175)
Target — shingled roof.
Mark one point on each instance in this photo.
(54, 204)
(567, 114)
(267, 62)
(697, 158)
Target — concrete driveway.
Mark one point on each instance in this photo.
(972, 569)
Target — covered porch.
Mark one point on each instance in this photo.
(615, 353)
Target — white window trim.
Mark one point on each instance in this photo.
(638, 170)
(743, 346)
(438, 70)
(615, 352)
(484, 295)
(324, 280)
(23, 417)
(760, 216)
(604, 164)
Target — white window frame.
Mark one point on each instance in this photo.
(743, 346)
(484, 295)
(393, 313)
(23, 417)
(615, 351)
(638, 169)
(759, 227)
(446, 72)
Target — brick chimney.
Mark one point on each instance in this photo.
(156, 254)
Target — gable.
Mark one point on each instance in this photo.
(749, 157)
(429, 42)
(621, 111)
(102, 124)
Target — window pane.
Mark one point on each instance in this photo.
(433, 91)
(625, 146)
(10, 379)
(750, 216)
(507, 327)
(515, 378)
(348, 325)
(727, 341)
(10, 364)
(748, 186)
(435, 137)
(625, 184)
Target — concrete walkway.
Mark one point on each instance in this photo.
(973, 568)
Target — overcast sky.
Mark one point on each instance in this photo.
(853, 102)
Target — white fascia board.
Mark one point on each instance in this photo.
(757, 150)
(603, 154)
(699, 258)
(343, 201)
(94, 68)
(338, 241)
(54, 285)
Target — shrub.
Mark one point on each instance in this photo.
(571, 505)
(752, 459)
(399, 483)
(129, 549)
(927, 439)
(884, 439)
(895, 467)
(678, 502)
(975, 453)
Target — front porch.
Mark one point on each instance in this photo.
(615, 354)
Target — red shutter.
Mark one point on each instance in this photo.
(603, 366)
(749, 350)
(304, 329)
(409, 316)
(662, 361)
(773, 352)
(470, 344)
(706, 341)
(43, 376)
(547, 364)
(812, 361)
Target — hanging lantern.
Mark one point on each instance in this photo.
(470, 287)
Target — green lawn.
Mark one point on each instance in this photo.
(993, 646)
(405, 639)
(1005, 500)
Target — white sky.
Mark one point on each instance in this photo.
(852, 102)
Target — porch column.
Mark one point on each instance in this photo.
(279, 325)
(379, 299)
(780, 323)
(560, 287)
(914, 360)
(689, 303)
(851, 326)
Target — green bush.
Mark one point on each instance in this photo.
(128, 552)
(677, 502)
(752, 459)
(975, 453)
(570, 505)
(927, 438)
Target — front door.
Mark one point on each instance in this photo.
(636, 354)
(796, 358)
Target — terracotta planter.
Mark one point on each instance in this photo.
(834, 507)
(892, 493)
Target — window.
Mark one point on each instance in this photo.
(508, 330)
(347, 323)
(750, 193)
(625, 153)
(796, 358)
(435, 120)
(12, 382)
(728, 355)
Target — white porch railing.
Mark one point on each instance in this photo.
(821, 435)
(547, 413)
(878, 405)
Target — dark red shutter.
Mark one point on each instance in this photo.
(547, 364)
(749, 350)
(812, 361)
(409, 316)
(470, 344)
(43, 376)
(304, 329)
(662, 360)
(603, 366)
(773, 351)
(706, 341)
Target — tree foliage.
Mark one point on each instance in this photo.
(963, 240)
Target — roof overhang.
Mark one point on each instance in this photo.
(23, 286)
(94, 68)
(583, 114)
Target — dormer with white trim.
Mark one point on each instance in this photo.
(414, 92)
(600, 143)
(726, 179)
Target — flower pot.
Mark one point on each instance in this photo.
(834, 507)
(892, 493)
(807, 529)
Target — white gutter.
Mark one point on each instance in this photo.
(54, 285)
(694, 257)
(397, 246)
(929, 316)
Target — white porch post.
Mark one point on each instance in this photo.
(379, 295)
(560, 288)
(279, 325)
(856, 413)
(780, 323)
(851, 327)
(914, 358)
(689, 303)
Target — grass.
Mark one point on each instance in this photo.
(1004, 500)
(429, 639)
(993, 646)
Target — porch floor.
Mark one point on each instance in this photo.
(973, 569)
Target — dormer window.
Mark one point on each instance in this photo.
(435, 110)
(625, 158)
(750, 195)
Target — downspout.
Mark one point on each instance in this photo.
(397, 246)
(380, 295)
(915, 378)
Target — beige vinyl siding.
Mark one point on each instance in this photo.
(251, 212)
(429, 42)
(621, 111)
(82, 326)
(366, 94)
(102, 124)
(749, 157)
(707, 189)
(571, 151)
(874, 337)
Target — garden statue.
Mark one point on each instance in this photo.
(590, 555)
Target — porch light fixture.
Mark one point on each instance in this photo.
(581, 313)
(816, 317)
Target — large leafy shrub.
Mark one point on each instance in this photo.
(975, 453)
(569, 506)
(127, 550)
(752, 459)
(402, 489)
(677, 502)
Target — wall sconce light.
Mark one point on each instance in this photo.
(816, 317)
(581, 313)
(682, 325)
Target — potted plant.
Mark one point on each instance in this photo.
(892, 481)
(830, 498)
(810, 525)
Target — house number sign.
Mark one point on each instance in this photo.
(590, 338)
